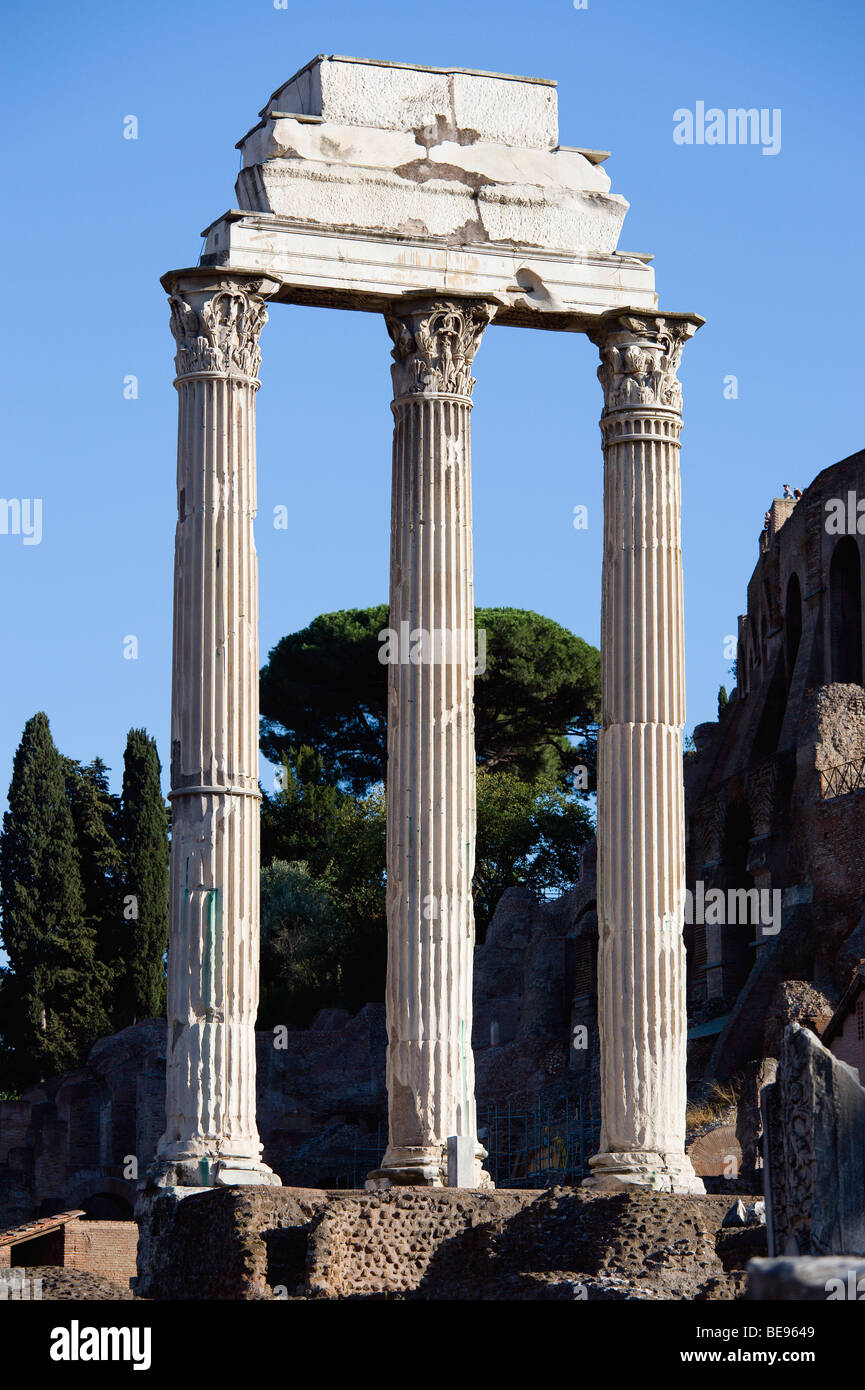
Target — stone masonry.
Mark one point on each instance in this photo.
(415, 1243)
(442, 199)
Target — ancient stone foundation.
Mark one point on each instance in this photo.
(422, 1243)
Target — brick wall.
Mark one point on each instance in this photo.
(102, 1247)
(849, 1045)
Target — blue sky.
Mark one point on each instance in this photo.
(767, 248)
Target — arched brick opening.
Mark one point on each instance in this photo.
(845, 613)
(100, 1197)
(792, 625)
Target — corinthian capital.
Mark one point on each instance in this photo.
(216, 326)
(435, 344)
(640, 355)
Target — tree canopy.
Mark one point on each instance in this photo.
(325, 687)
(324, 703)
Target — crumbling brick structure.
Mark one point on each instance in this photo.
(775, 790)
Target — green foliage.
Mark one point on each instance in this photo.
(71, 856)
(54, 988)
(541, 687)
(326, 688)
(95, 815)
(324, 704)
(529, 834)
(300, 945)
(143, 909)
(723, 700)
(340, 841)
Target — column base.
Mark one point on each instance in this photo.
(207, 1171)
(643, 1168)
(425, 1166)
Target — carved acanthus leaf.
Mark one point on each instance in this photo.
(434, 348)
(639, 360)
(220, 335)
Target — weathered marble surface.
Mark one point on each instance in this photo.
(431, 745)
(211, 1134)
(442, 198)
(641, 821)
(814, 1151)
(365, 180)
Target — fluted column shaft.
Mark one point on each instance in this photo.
(641, 824)
(211, 1134)
(431, 755)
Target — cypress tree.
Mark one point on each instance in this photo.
(96, 816)
(144, 909)
(54, 988)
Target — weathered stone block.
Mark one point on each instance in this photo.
(399, 96)
(814, 1154)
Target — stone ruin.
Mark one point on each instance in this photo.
(814, 1152)
(442, 200)
(775, 788)
(560, 1243)
(321, 1097)
(814, 1176)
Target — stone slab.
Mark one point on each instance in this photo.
(405, 96)
(340, 269)
(814, 1168)
(365, 181)
(462, 1166)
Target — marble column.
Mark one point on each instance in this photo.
(641, 823)
(430, 649)
(211, 1136)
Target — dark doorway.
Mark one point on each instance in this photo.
(792, 625)
(105, 1206)
(845, 613)
(739, 952)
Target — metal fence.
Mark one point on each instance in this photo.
(540, 1147)
(846, 777)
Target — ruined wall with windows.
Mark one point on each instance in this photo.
(775, 790)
